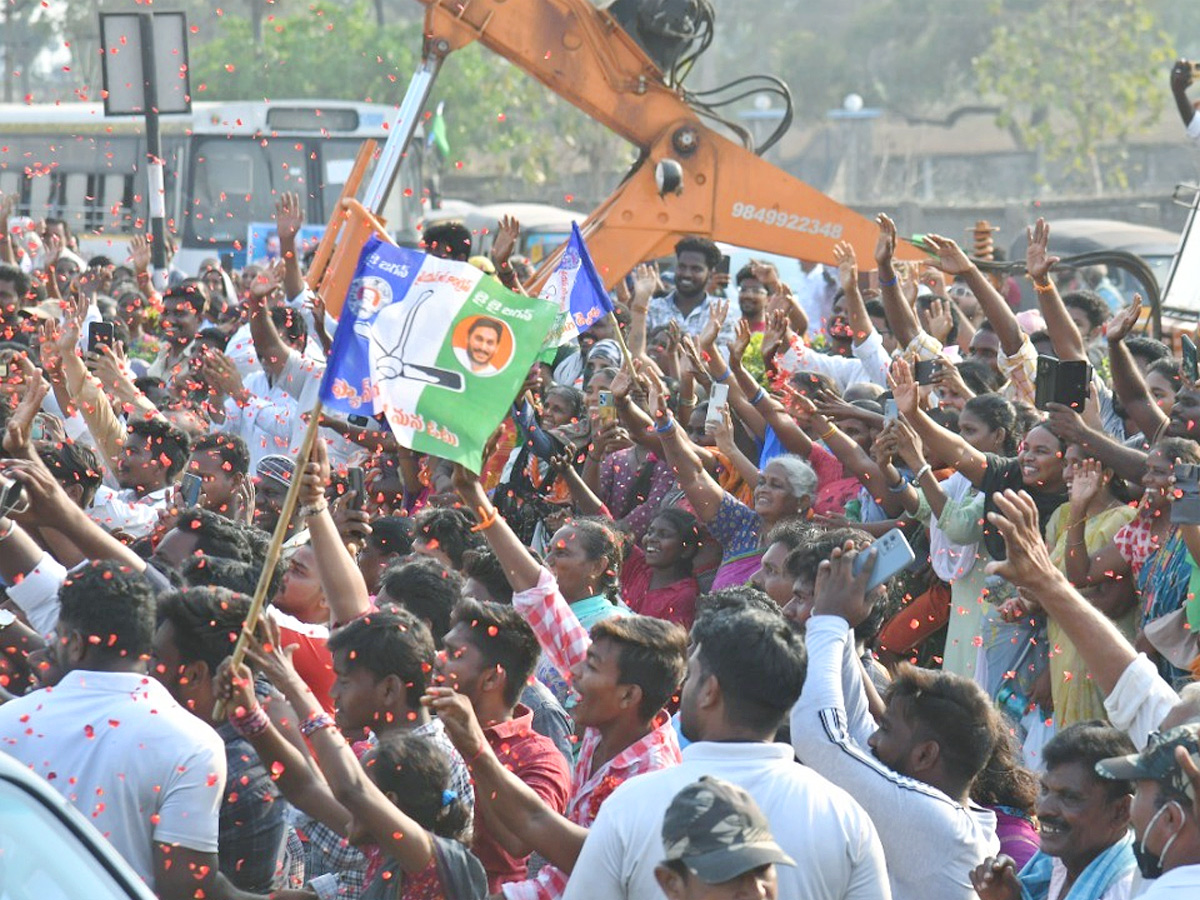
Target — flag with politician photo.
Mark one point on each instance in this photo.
(436, 345)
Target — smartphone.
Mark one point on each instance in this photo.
(356, 483)
(1065, 381)
(190, 486)
(723, 266)
(100, 333)
(717, 400)
(359, 421)
(606, 408)
(892, 555)
(1190, 369)
(1195, 71)
(925, 371)
(1185, 505)
(891, 411)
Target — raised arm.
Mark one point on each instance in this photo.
(942, 443)
(856, 310)
(1107, 563)
(520, 567)
(900, 315)
(1064, 333)
(269, 346)
(518, 807)
(701, 489)
(644, 280)
(289, 218)
(953, 261)
(341, 579)
(1127, 379)
(1065, 422)
(1181, 78)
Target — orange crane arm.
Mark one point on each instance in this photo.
(727, 192)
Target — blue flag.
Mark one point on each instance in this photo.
(577, 291)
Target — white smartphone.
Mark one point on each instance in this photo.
(717, 399)
(892, 555)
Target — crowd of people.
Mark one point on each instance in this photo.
(659, 645)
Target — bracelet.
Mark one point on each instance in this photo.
(898, 488)
(314, 722)
(668, 425)
(758, 398)
(486, 519)
(829, 433)
(721, 379)
(251, 723)
(1043, 288)
(888, 282)
(922, 472)
(313, 509)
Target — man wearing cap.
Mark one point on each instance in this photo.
(745, 671)
(718, 845)
(1166, 828)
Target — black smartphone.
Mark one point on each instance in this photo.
(1190, 369)
(1065, 381)
(925, 371)
(359, 421)
(1185, 504)
(356, 483)
(100, 333)
(723, 265)
(190, 486)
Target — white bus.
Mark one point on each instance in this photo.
(225, 165)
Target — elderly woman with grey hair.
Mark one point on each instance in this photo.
(785, 490)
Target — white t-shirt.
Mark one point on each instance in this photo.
(140, 767)
(931, 841)
(831, 838)
(1182, 883)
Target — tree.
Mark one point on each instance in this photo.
(1076, 77)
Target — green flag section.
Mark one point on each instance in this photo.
(436, 346)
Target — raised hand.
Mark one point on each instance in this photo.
(317, 475)
(766, 274)
(458, 716)
(885, 244)
(838, 591)
(741, 340)
(775, 330)
(847, 263)
(1027, 563)
(289, 217)
(223, 376)
(948, 376)
(139, 253)
(269, 655)
(938, 321)
(645, 279)
(904, 387)
(235, 687)
(267, 282)
(508, 232)
(20, 423)
(950, 257)
(1038, 261)
(717, 312)
(657, 395)
(1124, 320)
(909, 446)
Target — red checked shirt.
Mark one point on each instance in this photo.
(534, 759)
(565, 643)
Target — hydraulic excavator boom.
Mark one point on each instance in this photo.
(726, 192)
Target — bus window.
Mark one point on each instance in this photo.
(235, 182)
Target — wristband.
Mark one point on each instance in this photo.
(313, 509)
(898, 488)
(721, 379)
(887, 282)
(314, 722)
(1043, 288)
(668, 425)
(758, 398)
(922, 472)
(486, 519)
(251, 723)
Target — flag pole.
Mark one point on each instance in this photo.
(274, 550)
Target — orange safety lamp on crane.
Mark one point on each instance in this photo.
(689, 179)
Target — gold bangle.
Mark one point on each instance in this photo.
(832, 429)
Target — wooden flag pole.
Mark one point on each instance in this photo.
(274, 549)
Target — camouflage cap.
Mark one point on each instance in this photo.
(1157, 762)
(717, 830)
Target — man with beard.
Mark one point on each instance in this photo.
(1087, 849)
(689, 304)
(917, 764)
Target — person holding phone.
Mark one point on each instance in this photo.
(1183, 74)
(1149, 548)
